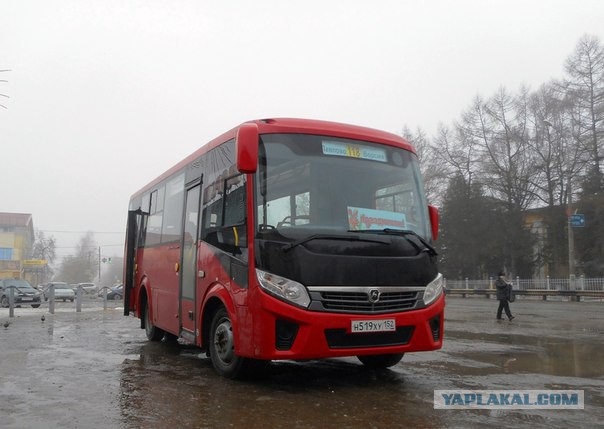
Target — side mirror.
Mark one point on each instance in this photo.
(434, 219)
(247, 148)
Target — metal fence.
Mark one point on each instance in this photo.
(47, 301)
(572, 283)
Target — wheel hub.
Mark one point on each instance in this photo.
(223, 341)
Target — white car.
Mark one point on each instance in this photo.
(62, 291)
(88, 287)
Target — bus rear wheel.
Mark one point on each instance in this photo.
(222, 350)
(380, 361)
(153, 332)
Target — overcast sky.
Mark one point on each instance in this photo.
(107, 94)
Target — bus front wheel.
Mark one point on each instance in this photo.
(380, 361)
(153, 332)
(222, 347)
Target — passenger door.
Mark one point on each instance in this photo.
(188, 264)
(133, 230)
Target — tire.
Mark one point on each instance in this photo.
(4, 302)
(222, 350)
(117, 297)
(153, 332)
(380, 361)
(35, 305)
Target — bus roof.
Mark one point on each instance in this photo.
(292, 126)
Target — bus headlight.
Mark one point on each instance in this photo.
(283, 288)
(433, 290)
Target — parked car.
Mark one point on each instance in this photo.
(116, 292)
(24, 293)
(62, 291)
(88, 287)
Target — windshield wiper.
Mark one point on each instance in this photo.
(293, 244)
(404, 233)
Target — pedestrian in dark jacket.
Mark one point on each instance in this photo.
(503, 294)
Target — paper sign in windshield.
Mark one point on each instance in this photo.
(360, 218)
(353, 151)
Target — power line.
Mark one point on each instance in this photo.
(83, 232)
(90, 247)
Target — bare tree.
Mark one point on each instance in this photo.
(82, 266)
(559, 158)
(432, 170)
(44, 248)
(457, 151)
(2, 94)
(489, 149)
(585, 86)
(507, 163)
(516, 152)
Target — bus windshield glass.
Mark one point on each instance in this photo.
(308, 185)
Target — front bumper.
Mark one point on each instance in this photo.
(283, 331)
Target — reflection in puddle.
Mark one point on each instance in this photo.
(315, 394)
(569, 357)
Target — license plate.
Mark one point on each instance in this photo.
(26, 299)
(384, 325)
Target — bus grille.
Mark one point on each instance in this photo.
(347, 300)
(339, 339)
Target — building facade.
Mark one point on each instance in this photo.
(16, 243)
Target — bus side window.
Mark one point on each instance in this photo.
(145, 208)
(234, 204)
(172, 219)
(153, 234)
(212, 206)
(225, 217)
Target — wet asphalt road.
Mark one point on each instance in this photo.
(95, 369)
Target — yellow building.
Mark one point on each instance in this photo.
(16, 243)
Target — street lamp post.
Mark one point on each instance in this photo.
(571, 241)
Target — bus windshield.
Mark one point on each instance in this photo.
(309, 184)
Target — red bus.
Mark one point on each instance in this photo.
(288, 239)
